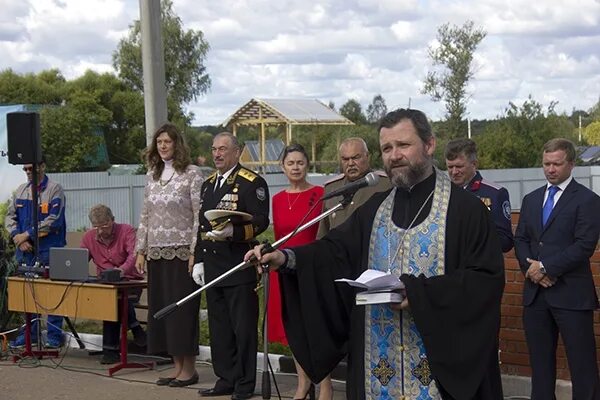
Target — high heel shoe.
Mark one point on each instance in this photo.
(310, 393)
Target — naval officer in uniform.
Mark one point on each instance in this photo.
(232, 303)
(354, 164)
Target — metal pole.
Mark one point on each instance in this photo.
(153, 66)
(266, 380)
(469, 128)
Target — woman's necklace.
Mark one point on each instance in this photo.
(165, 183)
(291, 204)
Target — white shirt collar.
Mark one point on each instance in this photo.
(227, 173)
(562, 186)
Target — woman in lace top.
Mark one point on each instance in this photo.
(166, 238)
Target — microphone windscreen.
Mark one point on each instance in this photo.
(372, 179)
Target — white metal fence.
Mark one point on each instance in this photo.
(124, 193)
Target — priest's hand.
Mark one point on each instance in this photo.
(400, 306)
(274, 259)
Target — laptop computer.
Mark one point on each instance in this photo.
(69, 264)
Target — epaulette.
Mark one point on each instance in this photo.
(212, 176)
(491, 184)
(334, 179)
(247, 174)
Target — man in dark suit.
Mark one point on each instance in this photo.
(233, 302)
(557, 233)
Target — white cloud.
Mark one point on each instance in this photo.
(332, 49)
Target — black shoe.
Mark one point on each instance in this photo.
(241, 396)
(179, 383)
(110, 357)
(164, 381)
(214, 392)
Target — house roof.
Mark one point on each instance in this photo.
(590, 153)
(273, 150)
(286, 111)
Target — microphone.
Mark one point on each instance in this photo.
(370, 179)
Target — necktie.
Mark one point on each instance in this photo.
(218, 183)
(549, 205)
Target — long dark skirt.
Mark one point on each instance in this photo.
(176, 334)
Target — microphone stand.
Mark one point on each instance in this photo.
(36, 240)
(245, 264)
(266, 382)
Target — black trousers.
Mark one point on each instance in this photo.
(542, 325)
(111, 331)
(232, 322)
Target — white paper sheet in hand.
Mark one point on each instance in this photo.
(373, 280)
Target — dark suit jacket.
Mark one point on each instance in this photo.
(564, 246)
(244, 191)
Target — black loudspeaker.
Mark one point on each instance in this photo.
(24, 143)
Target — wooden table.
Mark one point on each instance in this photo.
(97, 301)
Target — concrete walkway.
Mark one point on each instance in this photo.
(77, 375)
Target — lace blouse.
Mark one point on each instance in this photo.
(170, 215)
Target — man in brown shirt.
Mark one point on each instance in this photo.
(354, 164)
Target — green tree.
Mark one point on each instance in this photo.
(46, 87)
(452, 60)
(592, 133)
(185, 53)
(71, 134)
(353, 111)
(376, 110)
(124, 131)
(595, 112)
(516, 139)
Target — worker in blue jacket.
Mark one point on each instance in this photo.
(51, 233)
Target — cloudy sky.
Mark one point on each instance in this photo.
(332, 50)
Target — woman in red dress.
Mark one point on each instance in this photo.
(290, 207)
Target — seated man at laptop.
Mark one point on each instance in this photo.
(112, 246)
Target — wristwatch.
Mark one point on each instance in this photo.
(542, 269)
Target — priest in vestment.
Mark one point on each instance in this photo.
(441, 341)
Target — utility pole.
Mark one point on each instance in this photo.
(153, 66)
(469, 128)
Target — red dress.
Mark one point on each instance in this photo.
(288, 211)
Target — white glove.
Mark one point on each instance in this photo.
(198, 274)
(222, 234)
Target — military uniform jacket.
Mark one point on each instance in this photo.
(495, 198)
(359, 198)
(244, 191)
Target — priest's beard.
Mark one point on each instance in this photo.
(413, 173)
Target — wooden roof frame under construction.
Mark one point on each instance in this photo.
(288, 112)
